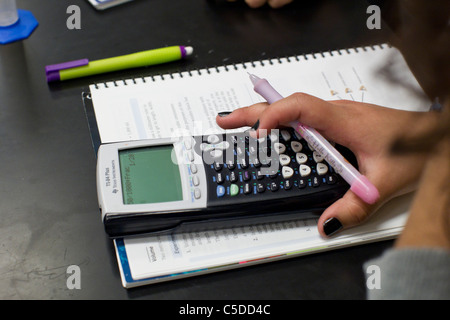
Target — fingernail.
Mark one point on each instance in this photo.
(255, 126)
(224, 113)
(331, 226)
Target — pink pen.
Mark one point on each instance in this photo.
(359, 184)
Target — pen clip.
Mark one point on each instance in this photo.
(52, 71)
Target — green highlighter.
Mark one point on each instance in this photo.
(83, 68)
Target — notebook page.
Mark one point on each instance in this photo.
(164, 108)
(170, 105)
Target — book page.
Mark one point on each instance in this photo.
(160, 255)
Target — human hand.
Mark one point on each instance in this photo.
(367, 130)
(428, 224)
(259, 3)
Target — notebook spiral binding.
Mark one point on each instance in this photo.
(237, 66)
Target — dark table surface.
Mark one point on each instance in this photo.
(49, 216)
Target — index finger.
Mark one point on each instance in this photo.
(245, 116)
(302, 107)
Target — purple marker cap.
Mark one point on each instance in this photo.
(52, 71)
(183, 52)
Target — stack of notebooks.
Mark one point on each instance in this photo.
(159, 106)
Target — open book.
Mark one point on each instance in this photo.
(147, 260)
(188, 102)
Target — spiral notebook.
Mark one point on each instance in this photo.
(166, 105)
(187, 103)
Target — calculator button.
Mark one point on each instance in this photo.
(216, 153)
(195, 180)
(261, 187)
(296, 146)
(301, 157)
(190, 155)
(233, 177)
(284, 159)
(247, 188)
(246, 176)
(188, 143)
(193, 167)
(231, 164)
(219, 178)
(240, 151)
(261, 140)
(218, 166)
(287, 172)
(273, 173)
(302, 183)
(315, 182)
(279, 147)
(299, 137)
(273, 186)
(223, 145)
(317, 157)
(304, 170)
(244, 163)
(197, 193)
(287, 184)
(206, 147)
(273, 136)
(213, 138)
(259, 175)
(252, 149)
(234, 189)
(256, 162)
(286, 135)
(214, 146)
(220, 191)
(322, 169)
(331, 179)
(264, 160)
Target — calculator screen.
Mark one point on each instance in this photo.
(149, 175)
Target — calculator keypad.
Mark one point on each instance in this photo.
(280, 165)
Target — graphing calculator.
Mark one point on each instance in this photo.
(212, 181)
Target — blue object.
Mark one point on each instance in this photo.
(20, 30)
(220, 191)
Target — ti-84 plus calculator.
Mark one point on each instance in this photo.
(212, 181)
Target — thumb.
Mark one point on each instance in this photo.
(346, 212)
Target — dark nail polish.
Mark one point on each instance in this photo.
(255, 126)
(331, 226)
(224, 113)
